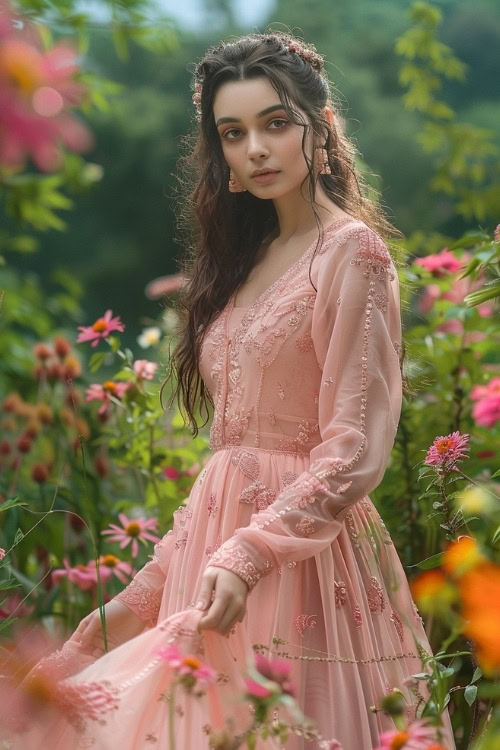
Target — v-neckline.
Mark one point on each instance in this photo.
(288, 271)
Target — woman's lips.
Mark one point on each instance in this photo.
(265, 178)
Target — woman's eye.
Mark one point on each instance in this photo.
(236, 130)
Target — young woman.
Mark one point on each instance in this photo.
(293, 335)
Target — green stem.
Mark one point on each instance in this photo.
(171, 718)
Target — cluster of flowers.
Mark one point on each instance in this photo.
(486, 412)
(38, 90)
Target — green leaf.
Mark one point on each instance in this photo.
(430, 562)
(478, 673)
(96, 361)
(13, 502)
(470, 694)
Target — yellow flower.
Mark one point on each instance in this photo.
(475, 500)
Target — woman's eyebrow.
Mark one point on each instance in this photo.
(259, 114)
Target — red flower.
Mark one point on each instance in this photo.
(100, 329)
(441, 263)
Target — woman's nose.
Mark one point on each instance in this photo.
(256, 146)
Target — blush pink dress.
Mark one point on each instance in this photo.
(307, 397)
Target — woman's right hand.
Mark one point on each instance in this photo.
(121, 625)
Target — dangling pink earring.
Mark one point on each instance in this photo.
(321, 160)
(234, 185)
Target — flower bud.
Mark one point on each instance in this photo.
(39, 472)
(42, 352)
(24, 444)
(62, 346)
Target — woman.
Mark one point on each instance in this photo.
(294, 326)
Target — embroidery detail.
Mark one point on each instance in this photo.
(213, 547)
(331, 657)
(304, 343)
(143, 601)
(376, 599)
(327, 382)
(381, 301)
(86, 700)
(247, 462)
(339, 300)
(397, 347)
(281, 392)
(352, 529)
(211, 505)
(305, 526)
(236, 560)
(358, 620)
(340, 593)
(304, 621)
(396, 620)
(288, 477)
(316, 397)
(258, 493)
(182, 540)
(306, 429)
(272, 416)
(237, 425)
(373, 251)
(344, 487)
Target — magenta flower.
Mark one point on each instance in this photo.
(100, 329)
(170, 472)
(487, 410)
(447, 450)
(441, 263)
(37, 90)
(258, 690)
(417, 736)
(190, 670)
(132, 530)
(2, 553)
(144, 369)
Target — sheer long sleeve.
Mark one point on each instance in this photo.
(356, 332)
(143, 594)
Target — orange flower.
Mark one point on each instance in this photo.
(480, 593)
(432, 591)
(461, 556)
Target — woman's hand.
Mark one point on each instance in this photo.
(121, 625)
(230, 599)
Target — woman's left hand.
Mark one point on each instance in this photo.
(230, 600)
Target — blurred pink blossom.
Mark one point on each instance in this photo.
(2, 553)
(13, 606)
(144, 369)
(37, 90)
(189, 668)
(83, 576)
(170, 472)
(104, 392)
(277, 670)
(440, 264)
(164, 285)
(419, 735)
(117, 567)
(100, 329)
(486, 412)
(132, 530)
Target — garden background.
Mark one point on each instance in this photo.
(88, 191)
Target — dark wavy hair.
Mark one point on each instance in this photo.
(222, 231)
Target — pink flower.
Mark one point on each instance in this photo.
(497, 233)
(170, 472)
(114, 565)
(2, 553)
(440, 264)
(190, 669)
(487, 410)
(417, 736)
(83, 576)
(104, 392)
(131, 531)
(277, 670)
(445, 451)
(37, 91)
(13, 606)
(144, 369)
(100, 329)
(258, 690)
(164, 285)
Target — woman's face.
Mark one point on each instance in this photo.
(254, 138)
